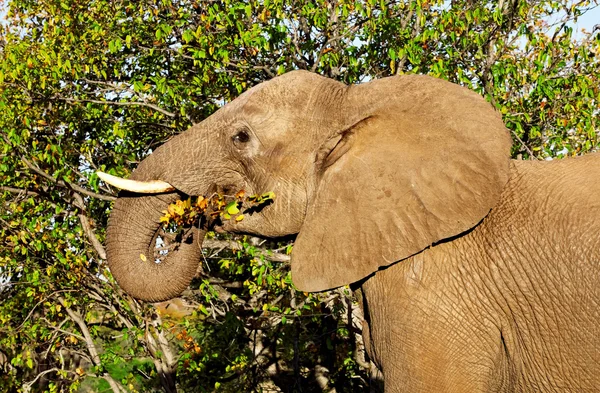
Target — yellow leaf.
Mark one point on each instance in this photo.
(179, 208)
(143, 257)
(239, 218)
(232, 208)
(202, 203)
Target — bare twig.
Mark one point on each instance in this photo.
(91, 346)
(163, 358)
(40, 302)
(237, 246)
(76, 317)
(27, 385)
(65, 184)
(529, 151)
(119, 103)
(19, 191)
(87, 227)
(508, 8)
(415, 32)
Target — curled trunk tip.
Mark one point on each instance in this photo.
(130, 243)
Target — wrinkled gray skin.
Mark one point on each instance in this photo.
(475, 273)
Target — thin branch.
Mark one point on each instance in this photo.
(237, 246)
(110, 304)
(65, 184)
(117, 388)
(163, 358)
(76, 317)
(27, 385)
(68, 333)
(415, 32)
(19, 191)
(40, 302)
(56, 331)
(508, 8)
(87, 227)
(119, 103)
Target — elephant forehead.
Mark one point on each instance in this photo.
(270, 99)
(295, 94)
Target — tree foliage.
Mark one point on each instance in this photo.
(97, 85)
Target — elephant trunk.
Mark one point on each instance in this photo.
(130, 247)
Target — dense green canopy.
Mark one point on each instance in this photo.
(97, 85)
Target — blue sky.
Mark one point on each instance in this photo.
(588, 20)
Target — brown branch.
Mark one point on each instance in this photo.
(40, 302)
(87, 227)
(91, 347)
(529, 151)
(267, 69)
(119, 103)
(415, 32)
(508, 8)
(19, 191)
(237, 246)
(76, 317)
(27, 385)
(24, 192)
(108, 301)
(65, 184)
(332, 21)
(225, 284)
(66, 332)
(163, 358)
(79, 203)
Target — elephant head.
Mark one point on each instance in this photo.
(366, 175)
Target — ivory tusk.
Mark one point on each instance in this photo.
(141, 187)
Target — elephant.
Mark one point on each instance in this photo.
(475, 272)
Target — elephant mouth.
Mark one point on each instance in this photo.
(168, 239)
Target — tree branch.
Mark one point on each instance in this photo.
(76, 317)
(119, 103)
(163, 358)
(27, 385)
(19, 191)
(237, 246)
(87, 227)
(65, 184)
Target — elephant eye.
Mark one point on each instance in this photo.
(241, 137)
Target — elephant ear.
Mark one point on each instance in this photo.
(421, 160)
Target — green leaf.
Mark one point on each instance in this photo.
(232, 208)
